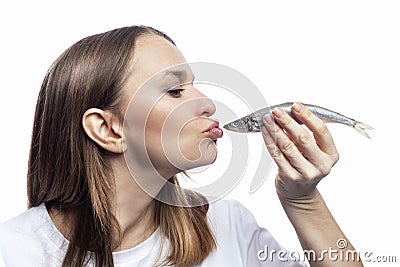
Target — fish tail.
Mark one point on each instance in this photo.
(362, 128)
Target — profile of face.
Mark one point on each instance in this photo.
(164, 108)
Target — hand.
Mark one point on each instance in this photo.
(303, 160)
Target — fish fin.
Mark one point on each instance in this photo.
(362, 128)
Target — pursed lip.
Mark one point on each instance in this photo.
(214, 130)
(215, 124)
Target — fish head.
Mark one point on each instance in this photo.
(237, 126)
(243, 125)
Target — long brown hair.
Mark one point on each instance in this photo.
(67, 170)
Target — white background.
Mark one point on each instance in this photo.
(343, 55)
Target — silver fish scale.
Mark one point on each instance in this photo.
(254, 121)
(330, 116)
(252, 124)
(323, 113)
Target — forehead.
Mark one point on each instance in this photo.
(153, 54)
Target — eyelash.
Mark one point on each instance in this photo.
(174, 92)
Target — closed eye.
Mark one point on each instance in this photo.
(176, 92)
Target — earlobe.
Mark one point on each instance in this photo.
(103, 127)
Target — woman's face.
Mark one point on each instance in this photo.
(179, 133)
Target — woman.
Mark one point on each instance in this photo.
(89, 206)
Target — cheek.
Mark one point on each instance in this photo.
(176, 139)
(189, 144)
(162, 136)
(153, 134)
(184, 148)
(195, 146)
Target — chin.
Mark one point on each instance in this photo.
(215, 155)
(210, 155)
(206, 155)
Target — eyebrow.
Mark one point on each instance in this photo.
(180, 74)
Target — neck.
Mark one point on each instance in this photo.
(133, 208)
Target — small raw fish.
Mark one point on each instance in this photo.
(253, 121)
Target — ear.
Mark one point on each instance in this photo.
(104, 128)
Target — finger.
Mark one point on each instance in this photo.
(321, 132)
(298, 134)
(286, 146)
(280, 160)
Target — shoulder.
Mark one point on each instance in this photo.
(232, 209)
(230, 219)
(26, 222)
(239, 238)
(21, 227)
(30, 233)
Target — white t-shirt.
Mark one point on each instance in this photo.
(31, 239)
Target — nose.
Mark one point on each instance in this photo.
(205, 106)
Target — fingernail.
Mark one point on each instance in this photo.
(268, 120)
(278, 112)
(298, 107)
